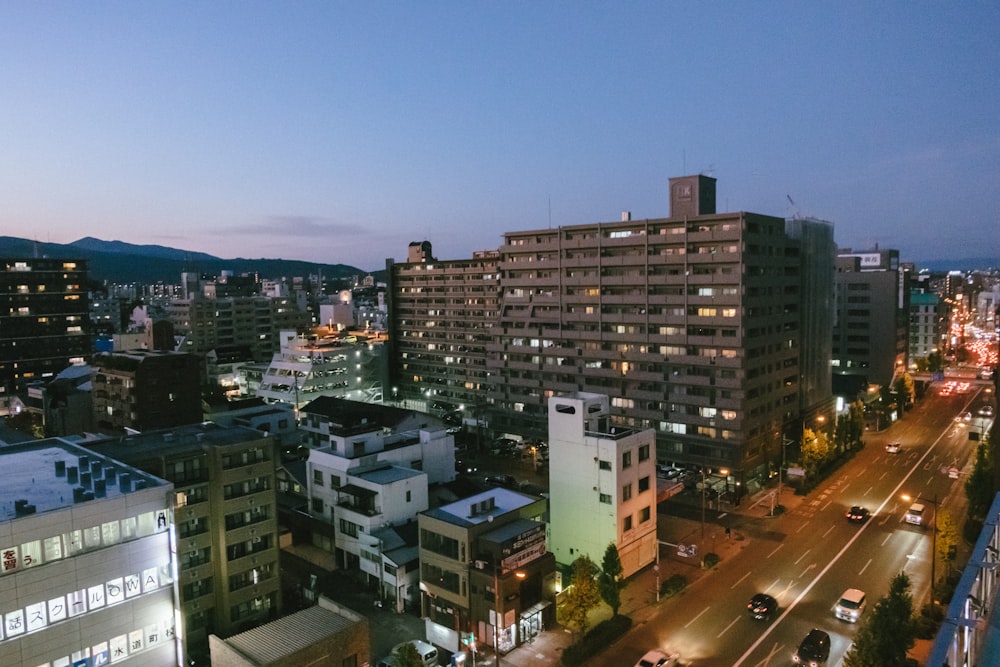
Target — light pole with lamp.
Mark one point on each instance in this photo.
(933, 543)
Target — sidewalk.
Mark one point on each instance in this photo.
(639, 595)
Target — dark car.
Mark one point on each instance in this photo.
(507, 481)
(762, 606)
(814, 650)
(857, 514)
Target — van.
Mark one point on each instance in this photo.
(428, 654)
(850, 605)
(915, 514)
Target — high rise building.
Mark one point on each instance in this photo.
(691, 324)
(44, 320)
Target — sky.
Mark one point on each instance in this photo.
(339, 132)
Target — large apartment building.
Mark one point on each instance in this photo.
(44, 320)
(226, 521)
(692, 325)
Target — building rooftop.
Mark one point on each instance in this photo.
(481, 507)
(278, 639)
(387, 474)
(353, 417)
(45, 475)
(178, 439)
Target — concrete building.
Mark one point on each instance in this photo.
(325, 634)
(928, 325)
(307, 368)
(226, 522)
(442, 315)
(604, 488)
(871, 310)
(44, 320)
(145, 390)
(87, 575)
(484, 570)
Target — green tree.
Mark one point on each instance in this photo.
(887, 632)
(979, 486)
(947, 538)
(935, 361)
(582, 595)
(609, 582)
(903, 387)
(407, 655)
(815, 450)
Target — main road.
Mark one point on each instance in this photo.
(807, 557)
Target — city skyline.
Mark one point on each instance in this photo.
(339, 133)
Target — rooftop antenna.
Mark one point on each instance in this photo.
(796, 213)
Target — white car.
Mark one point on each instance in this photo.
(850, 605)
(657, 658)
(893, 448)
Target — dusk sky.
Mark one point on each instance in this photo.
(339, 132)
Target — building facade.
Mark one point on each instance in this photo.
(226, 521)
(928, 325)
(485, 571)
(44, 320)
(604, 488)
(146, 390)
(87, 575)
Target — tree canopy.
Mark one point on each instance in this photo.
(610, 580)
(888, 632)
(582, 595)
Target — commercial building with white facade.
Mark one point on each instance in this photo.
(602, 488)
(87, 575)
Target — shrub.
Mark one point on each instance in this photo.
(674, 585)
(710, 560)
(603, 635)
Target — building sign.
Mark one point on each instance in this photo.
(524, 548)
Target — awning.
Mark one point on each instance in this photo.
(359, 491)
(535, 608)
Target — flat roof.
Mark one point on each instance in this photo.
(178, 439)
(464, 512)
(290, 634)
(46, 475)
(385, 474)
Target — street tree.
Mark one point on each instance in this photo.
(582, 595)
(947, 538)
(888, 632)
(979, 487)
(407, 655)
(815, 450)
(610, 581)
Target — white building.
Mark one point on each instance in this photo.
(602, 486)
(86, 575)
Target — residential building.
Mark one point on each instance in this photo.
(871, 310)
(226, 520)
(44, 320)
(351, 434)
(145, 390)
(442, 315)
(87, 575)
(485, 571)
(604, 488)
(65, 402)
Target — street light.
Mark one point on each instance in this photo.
(933, 542)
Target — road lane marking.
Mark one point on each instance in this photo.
(726, 629)
(739, 580)
(696, 617)
(775, 550)
(869, 490)
(886, 540)
(865, 567)
(802, 556)
(832, 526)
(805, 591)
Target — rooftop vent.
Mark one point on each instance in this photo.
(23, 508)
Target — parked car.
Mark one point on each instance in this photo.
(762, 606)
(857, 514)
(814, 650)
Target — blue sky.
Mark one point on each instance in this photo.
(339, 132)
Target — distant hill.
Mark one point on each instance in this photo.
(115, 261)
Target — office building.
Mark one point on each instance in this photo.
(604, 490)
(87, 575)
(871, 311)
(44, 320)
(226, 521)
(928, 325)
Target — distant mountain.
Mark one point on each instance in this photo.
(115, 261)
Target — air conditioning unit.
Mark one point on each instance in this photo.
(480, 565)
(256, 539)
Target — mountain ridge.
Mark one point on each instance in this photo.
(120, 262)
